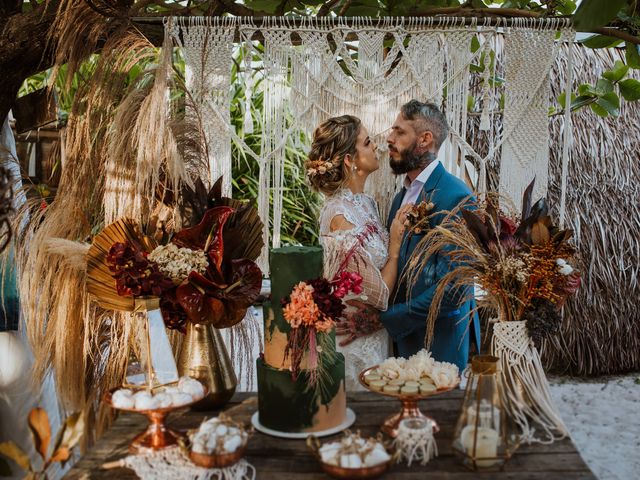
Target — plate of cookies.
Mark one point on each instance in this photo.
(409, 380)
(419, 376)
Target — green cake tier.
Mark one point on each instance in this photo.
(289, 406)
(290, 266)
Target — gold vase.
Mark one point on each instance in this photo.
(204, 357)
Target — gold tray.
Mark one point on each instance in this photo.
(409, 404)
(336, 471)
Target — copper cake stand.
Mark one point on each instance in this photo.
(157, 436)
(409, 404)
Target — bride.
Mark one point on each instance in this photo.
(353, 238)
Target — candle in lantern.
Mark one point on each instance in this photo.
(486, 444)
(489, 415)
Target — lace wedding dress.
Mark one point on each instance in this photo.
(363, 249)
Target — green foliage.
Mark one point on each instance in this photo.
(592, 14)
(632, 55)
(607, 104)
(601, 41)
(630, 89)
(618, 71)
(300, 204)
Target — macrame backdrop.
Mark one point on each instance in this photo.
(309, 75)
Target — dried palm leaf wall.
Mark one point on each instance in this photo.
(601, 327)
(601, 324)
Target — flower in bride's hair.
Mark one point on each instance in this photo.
(318, 167)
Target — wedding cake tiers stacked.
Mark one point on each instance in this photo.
(286, 404)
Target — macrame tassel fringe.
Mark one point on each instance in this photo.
(526, 390)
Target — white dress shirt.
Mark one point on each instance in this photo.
(414, 188)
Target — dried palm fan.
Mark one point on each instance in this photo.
(242, 233)
(100, 282)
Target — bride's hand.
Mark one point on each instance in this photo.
(364, 320)
(397, 229)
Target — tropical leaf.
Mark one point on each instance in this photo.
(15, 453)
(41, 430)
(539, 233)
(477, 227)
(630, 89)
(526, 199)
(601, 41)
(592, 14)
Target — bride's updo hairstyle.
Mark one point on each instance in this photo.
(332, 140)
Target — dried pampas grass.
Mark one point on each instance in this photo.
(85, 345)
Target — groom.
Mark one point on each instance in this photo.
(415, 139)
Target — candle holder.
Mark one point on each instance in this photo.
(485, 436)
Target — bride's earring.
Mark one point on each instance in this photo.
(354, 168)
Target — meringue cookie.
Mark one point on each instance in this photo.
(144, 401)
(191, 386)
(178, 399)
(377, 456)
(123, 399)
(232, 443)
(351, 460)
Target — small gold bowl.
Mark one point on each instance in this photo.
(217, 461)
(213, 460)
(336, 471)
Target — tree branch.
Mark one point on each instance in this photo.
(615, 33)
(326, 7)
(345, 7)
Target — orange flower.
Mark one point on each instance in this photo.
(324, 325)
(301, 310)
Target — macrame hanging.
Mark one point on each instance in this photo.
(317, 76)
(207, 45)
(529, 55)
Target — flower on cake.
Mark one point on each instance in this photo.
(312, 309)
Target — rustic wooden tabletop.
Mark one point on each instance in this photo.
(275, 458)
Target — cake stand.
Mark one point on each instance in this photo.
(409, 404)
(157, 436)
(350, 417)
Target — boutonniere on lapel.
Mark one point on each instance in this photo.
(417, 220)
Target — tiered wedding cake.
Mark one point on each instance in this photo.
(285, 404)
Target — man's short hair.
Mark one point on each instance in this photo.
(431, 118)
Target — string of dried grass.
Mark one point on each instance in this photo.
(451, 240)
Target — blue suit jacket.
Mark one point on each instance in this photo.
(405, 320)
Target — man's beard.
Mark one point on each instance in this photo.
(410, 160)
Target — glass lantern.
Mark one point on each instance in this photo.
(151, 363)
(485, 436)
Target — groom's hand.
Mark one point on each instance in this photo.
(358, 323)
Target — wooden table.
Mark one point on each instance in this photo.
(280, 459)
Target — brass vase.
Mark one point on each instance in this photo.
(204, 357)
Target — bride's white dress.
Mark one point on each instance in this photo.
(362, 249)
